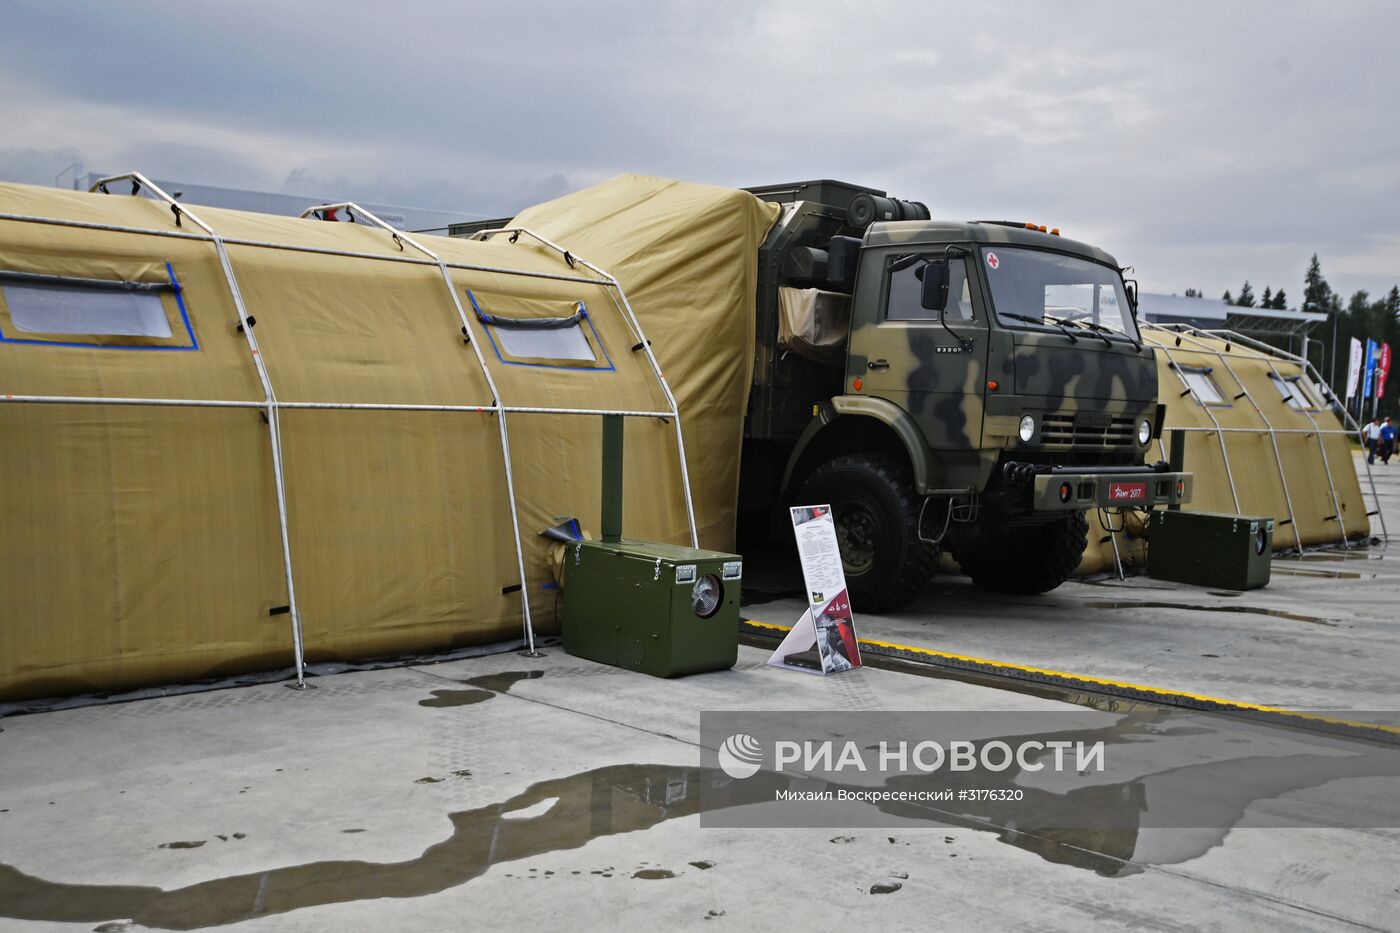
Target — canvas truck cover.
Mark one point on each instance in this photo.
(143, 542)
(687, 257)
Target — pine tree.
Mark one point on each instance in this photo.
(1267, 301)
(1246, 299)
(1227, 297)
(1280, 301)
(1193, 293)
(1317, 294)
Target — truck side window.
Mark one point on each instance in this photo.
(903, 273)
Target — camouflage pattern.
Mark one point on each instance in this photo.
(1088, 394)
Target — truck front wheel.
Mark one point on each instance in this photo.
(1021, 559)
(876, 513)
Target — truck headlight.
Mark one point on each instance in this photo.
(1144, 433)
(1027, 427)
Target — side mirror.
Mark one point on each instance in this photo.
(933, 295)
(1131, 287)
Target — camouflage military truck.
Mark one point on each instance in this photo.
(970, 386)
(975, 387)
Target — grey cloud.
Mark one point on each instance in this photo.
(1202, 142)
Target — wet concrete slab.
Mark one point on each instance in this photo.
(565, 800)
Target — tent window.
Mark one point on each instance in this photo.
(1294, 392)
(43, 308)
(564, 343)
(69, 311)
(1202, 385)
(561, 342)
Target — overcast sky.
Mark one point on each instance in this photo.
(1202, 143)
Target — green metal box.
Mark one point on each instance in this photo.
(656, 608)
(1210, 549)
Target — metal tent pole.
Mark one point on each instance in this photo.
(1219, 433)
(140, 182)
(1352, 431)
(1273, 436)
(630, 317)
(491, 385)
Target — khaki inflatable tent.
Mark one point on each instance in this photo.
(234, 441)
(1262, 438)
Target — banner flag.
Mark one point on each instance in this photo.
(1369, 372)
(1382, 370)
(1354, 370)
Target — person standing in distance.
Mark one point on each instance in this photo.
(1369, 436)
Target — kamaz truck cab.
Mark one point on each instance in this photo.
(976, 386)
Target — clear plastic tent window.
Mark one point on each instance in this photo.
(1203, 386)
(51, 308)
(1293, 392)
(562, 343)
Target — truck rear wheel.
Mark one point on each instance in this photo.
(1021, 559)
(876, 512)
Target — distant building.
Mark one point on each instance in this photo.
(1210, 313)
(412, 219)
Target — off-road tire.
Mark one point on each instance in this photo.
(1021, 559)
(877, 492)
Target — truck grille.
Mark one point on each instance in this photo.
(1062, 431)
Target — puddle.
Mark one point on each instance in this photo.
(182, 845)
(566, 813)
(885, 887)
(447, 698)
(702, 865)
(502, 682)
(1253, 610)
(653, 874)
(484, 688)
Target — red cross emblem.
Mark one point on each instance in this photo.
(992, 260)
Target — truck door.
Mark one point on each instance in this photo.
(900, 351)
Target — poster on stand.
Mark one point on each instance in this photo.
(824, 640)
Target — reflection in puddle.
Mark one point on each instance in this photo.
(566, 813)
(448, 698)
(1253, 610)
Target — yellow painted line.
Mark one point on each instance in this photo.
(1099, 681)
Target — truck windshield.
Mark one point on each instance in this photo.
(1030, 286)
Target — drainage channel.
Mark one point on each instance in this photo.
(1080, 689)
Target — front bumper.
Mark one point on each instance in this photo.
(1064, 489)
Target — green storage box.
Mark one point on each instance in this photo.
(1210, 549)
(656, 608)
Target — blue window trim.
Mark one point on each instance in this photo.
(175, 286)
(597, 340)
